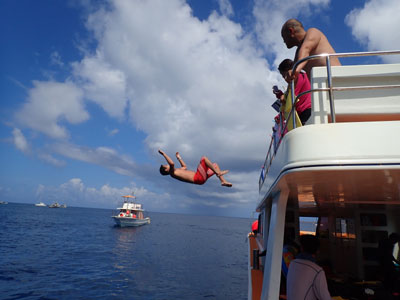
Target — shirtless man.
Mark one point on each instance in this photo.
(310, 42)
(205, 170)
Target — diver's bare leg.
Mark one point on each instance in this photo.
(218, 172)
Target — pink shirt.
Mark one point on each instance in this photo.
(302, 85)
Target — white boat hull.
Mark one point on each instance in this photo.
(130, 222)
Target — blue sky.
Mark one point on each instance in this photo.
(89, 90)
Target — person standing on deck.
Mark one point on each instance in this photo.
(310, 42)
(388, 262)
(306, 280)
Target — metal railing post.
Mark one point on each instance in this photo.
(293, 102)
(331, 100)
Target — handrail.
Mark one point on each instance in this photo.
(330, 89)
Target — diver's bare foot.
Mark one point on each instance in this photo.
(222, 173)
(227, 184)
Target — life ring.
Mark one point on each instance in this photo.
(121, 214)
(128, 212)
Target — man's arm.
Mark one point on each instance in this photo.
(181, 161)
(167, 158)
(310, 43)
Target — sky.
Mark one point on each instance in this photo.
(90, 90)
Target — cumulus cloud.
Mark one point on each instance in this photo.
(375, 25)
(102, 84)
(271, 15)
(20, 141)
(49, 103)
(200, 87)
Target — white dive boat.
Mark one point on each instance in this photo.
(55, 205)
(342, 169)
(40, 204)
(130, 214)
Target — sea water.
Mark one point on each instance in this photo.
(78, 253)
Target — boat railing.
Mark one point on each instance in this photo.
(276, 140)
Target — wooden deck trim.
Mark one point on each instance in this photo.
(256, 275)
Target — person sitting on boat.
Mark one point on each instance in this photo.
(310, 42)
(388, 262)
(302, 84)
(205, 170)
(306, 280)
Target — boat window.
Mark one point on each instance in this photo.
(308, 225)
(373, 219)
(323, 227)
(345, 228)
(260, 224)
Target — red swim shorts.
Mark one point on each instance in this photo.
(203, 172)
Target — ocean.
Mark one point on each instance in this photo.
(78, 253)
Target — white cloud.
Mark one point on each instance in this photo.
(102, 84)
(50, 103)
(20, 141)
(376, 25)
(55, 59)
(271, 15)
(112, 132)
(226, 7)
(197, 87)
(48, 158)
(102, 156)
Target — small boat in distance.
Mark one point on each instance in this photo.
(55, 205)
(130, 214)
(40, 204)
(3, 202)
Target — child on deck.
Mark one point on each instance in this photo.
(302, 84)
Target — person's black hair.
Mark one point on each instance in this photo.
(394, 237)
(309, 243)
(285, 65)
(163, 171)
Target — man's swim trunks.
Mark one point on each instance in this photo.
(203, 172)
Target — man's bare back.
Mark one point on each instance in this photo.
(315, 42)
(310, 42)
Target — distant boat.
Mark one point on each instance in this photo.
(40, 204)
(63, 206)
(55, 205)
(3, 202)
(130, 214)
